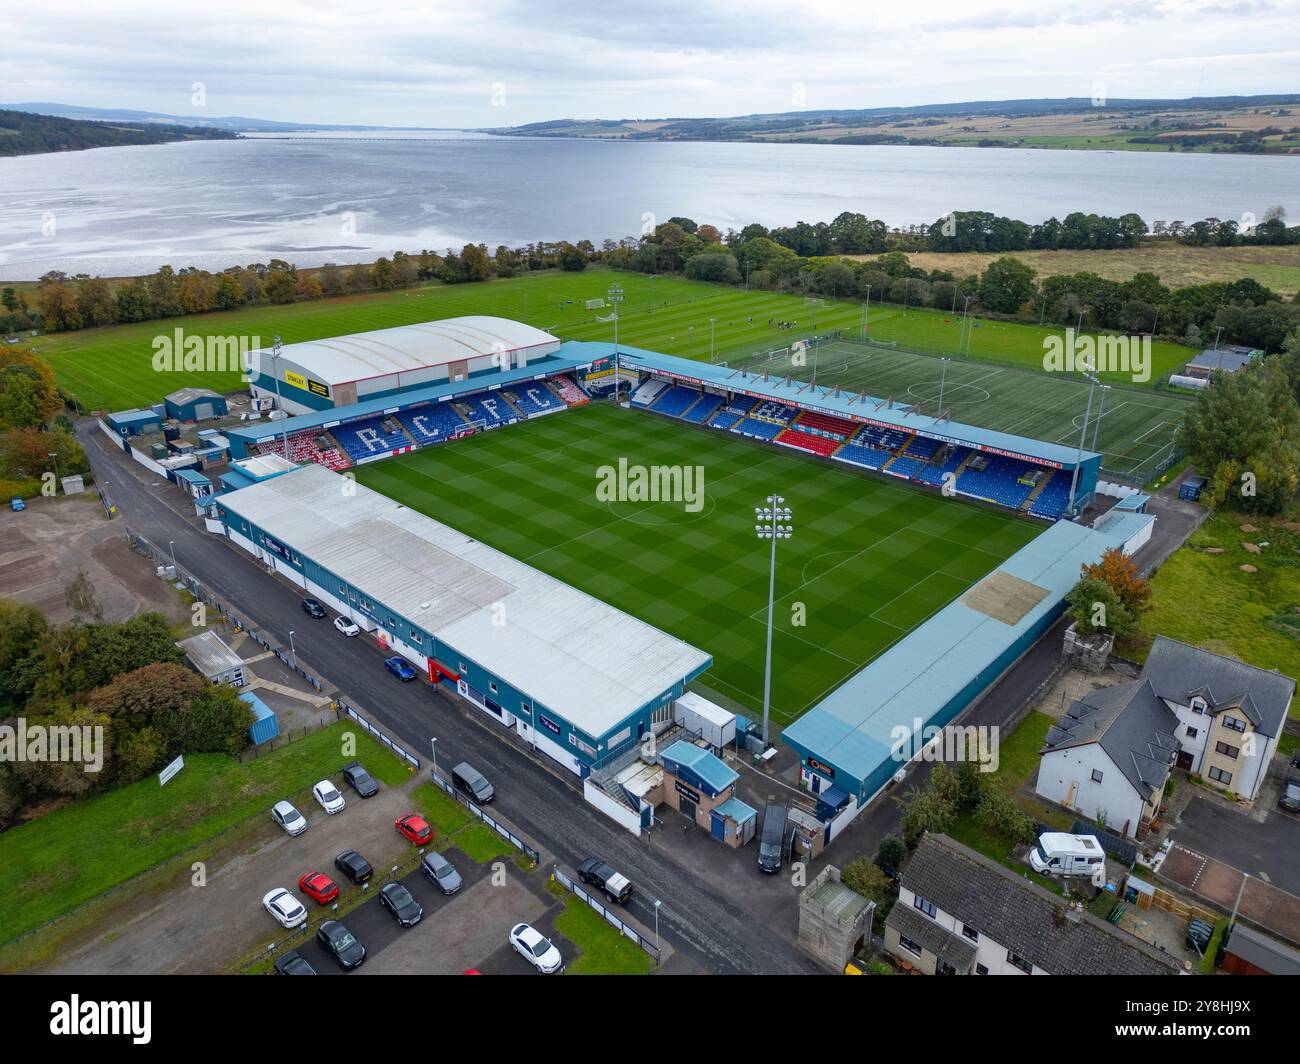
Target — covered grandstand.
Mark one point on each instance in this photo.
(577, 679)
(848, 743)
(342, 370)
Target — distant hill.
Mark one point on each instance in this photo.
(233, 123)
(1226, 123)
(22, 133)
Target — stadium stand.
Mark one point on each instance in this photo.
(1052, 501)
(775, 412)
(647, 391)
(863, 455)
(486, 410)
(309, 446)
(935, 471)
(995, 479)
(567, 390)
(806, 441)
(372, 438)
(704, 409)
(433, 424)
(675, 401)
(824, 424)
(534, 400)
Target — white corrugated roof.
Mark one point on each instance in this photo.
(359, 356)
(586, 660)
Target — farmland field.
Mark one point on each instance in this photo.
(869, 560)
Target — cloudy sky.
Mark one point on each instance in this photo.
(505, 62)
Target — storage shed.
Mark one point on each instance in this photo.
(134, 422)
(1250, 953)
(195, 404)
(210, 657)
(1191, 488)
(717, 726)
(265, 726)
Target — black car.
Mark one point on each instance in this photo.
(339, 941)
(399, 901)
(360, 780)
(293, 963)
(596, 873)
(354, 866)
(313, 607)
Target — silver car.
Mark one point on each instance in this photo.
(284, 814)
(440, 872)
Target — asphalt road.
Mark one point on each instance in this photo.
(703, 920)
(1266, 850)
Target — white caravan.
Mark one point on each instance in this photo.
(1059, 854)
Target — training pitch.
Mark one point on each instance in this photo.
(869, 559)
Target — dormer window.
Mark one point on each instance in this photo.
(1198, 704)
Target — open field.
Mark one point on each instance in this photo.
(110, 368)
(67, 857)
(869, 559)
(1177, 266)
(1132, 427)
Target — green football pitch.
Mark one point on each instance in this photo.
(1133, 428)
(868, 561)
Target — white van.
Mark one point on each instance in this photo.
(1059, 854)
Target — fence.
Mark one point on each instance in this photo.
(533, 853)
(401, 752)
(618, 923)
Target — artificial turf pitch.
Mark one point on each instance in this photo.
(869, 560)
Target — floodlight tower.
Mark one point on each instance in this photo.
(615, 297)
(279, 402)
(1083, 434)
(768, 524)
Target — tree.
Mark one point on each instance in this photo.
(1095, 608)
(891, 853)
(998, 812)
(23, 633)
(474, 259)
(148, 696)
(1006, 285)
(713, 266)
(79, 594)
(25, 453)
(281, 286)
(572, 260)
(216, 722)
(863, 876)
(1117, 569)
(927, 809)
(28, 395)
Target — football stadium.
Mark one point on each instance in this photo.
(925, 555)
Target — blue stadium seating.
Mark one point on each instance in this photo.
(1053, 499)
(432, 424)
(369, 438)
(764, 430)
(488, 409)
(934, 474)
(859, 454)
(674, 401)
(998, 482)
(725, 419)
(904, 466)
(773, 411)
(534, 399)
(700, 412)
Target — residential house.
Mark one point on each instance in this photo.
(961, 913)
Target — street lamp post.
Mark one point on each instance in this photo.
(54, 456)
(615, 297)
(866, 314)
(293, 650)
(1083, 432)
(965, 316)
(433, 747)
(649, 296)
(171, 545)
(712, 321)
(658, 903)
(768, 525)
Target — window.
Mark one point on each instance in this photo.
(970, 932)
(524, 707)
(1219, 776)
(909, 945)
(981, 969)
(462, 667)
(1234, 724)
(926, 907)
(1198, 705)
(343, 589)
(416, 637)
(1192, 733)
(1226, 750)
(944, 968)
(1096, 775)
(1019, 962)
(492, 687)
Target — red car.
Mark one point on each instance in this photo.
(415, 829)
(319, 887)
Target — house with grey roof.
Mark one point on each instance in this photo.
(1109, 755)
(961, 913)
(1230, 714)
(1230, 358)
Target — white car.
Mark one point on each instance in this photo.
(345, 626)
(287, 909)
(284, 814)
(536, 948)
(328, 796)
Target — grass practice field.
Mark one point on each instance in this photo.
(1132, 427)
(111, 368)
(869, 559)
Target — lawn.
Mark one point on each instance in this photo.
(110, 368)
(457, 826)
(53, 864)
(1208, 601)
(869, 560)
(602, 949)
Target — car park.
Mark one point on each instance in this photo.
(288, 911)
(400, 667)
(319, 887)
(360, 780)
(354, 866)
(415, 828)
(328, 797)
(292, 821)
(293, 963)
(472, 782)
(341, 944)
(347, 627)
(596, 873)
(441, 873)
(535, 948)
(313, 608)
(401, 903)
(1289, 799)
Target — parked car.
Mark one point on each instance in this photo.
(596, 873)
(415, 828)
(441, 873)
(284, 814)
(354, 866)
(347, 627)
(314, 607)
(287, 909)
(328, 796)
(341, 944)
(1289, 799)
(535, 948)
(16, 504)
(319, 887)
(401, 903)
(293, 963)
(360, 780)
(771, 843)
(400, 667)
(470, 780)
